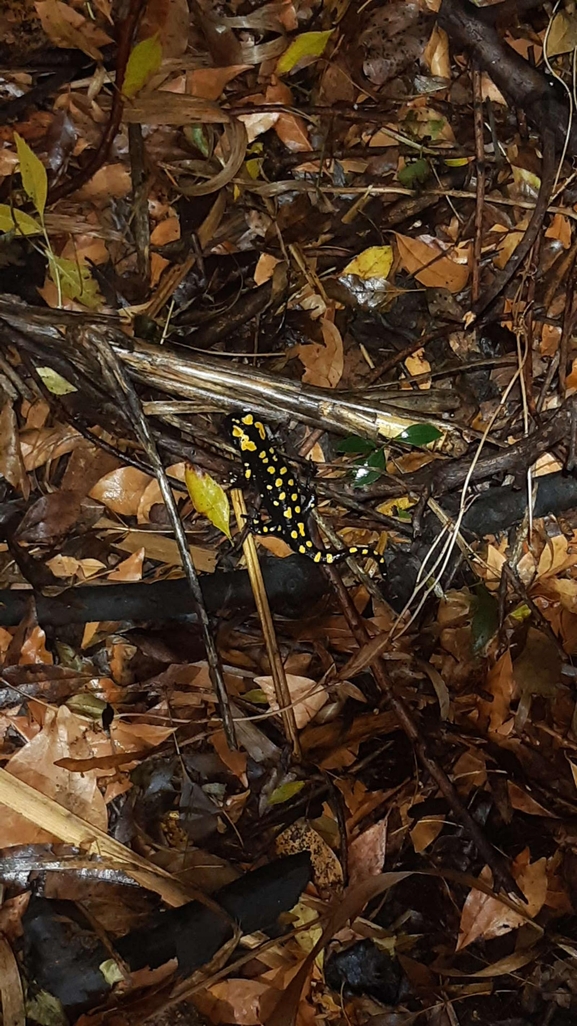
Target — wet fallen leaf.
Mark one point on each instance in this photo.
(308, 46)
(486, 917)
(208, 498)
(306, 696)
(426, 261)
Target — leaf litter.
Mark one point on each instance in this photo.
(315, 215)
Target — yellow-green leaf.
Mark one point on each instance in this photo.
(111, 971)
(208, 498)
(33, 172)
(374, 262)
(457, 161)
(13, 220)
(285, 792)
(308, 44)
(74, 280)
(144, 60)
(54, 382)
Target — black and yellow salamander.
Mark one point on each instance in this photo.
(281, 495)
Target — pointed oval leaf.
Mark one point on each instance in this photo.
(374, 262)
(420, 434)
(144, 60)
(285, 792)
(75, 281)
(33, 172)
(356, 444)
(12, 220)
(54, 382)
(208, 498)
(308, 44)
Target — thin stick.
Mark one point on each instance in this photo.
(281, 687)
(126, 393)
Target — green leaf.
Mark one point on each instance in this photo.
(75, 281)
(145, 58)
(521, 613)
(414, 173)
(308, 44)
(285, 792)
(419, 434)
(368, 470)
(111, 971)
(354, 443)
(485, 618)
(208, 498)
(46, 1009)
(12, 220)
(54, 382)
(86, 704)
(256, 696)
(33, 173)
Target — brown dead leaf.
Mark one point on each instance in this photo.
(66, 27)
(324, 362)
(234, 761)
(11, 460)
(501, 684)
(525, 803)
(170, 20)
(166, 108)
(163, 549)
(130, 569)
(63, 735)
(209, 83)
(38, 447)
(560, 229)
(486, 917)
(436, 54)
(122, 490)
(240, 1001)
(425, 259)
(558, 555)
(34, 649)
(367, 853)
(469, 771)
(306, 696)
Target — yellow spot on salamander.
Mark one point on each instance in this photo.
(247, 445)
(237, 432)
(353, 549)
(301, 528)
(297, 509)
(260, 428)
(284, 470)
(317, 557)
(275, 502)
(309, 543)
(278, 482)
(247, 473)
(329, 557)
(294, 534)
(281, 495)
(294, 497)
(288, 514)
(271, 470)
(262, 455)
(302, 549)
(248, 419)
(290, 481)
(269, 488)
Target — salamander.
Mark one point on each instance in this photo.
(282, 497)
